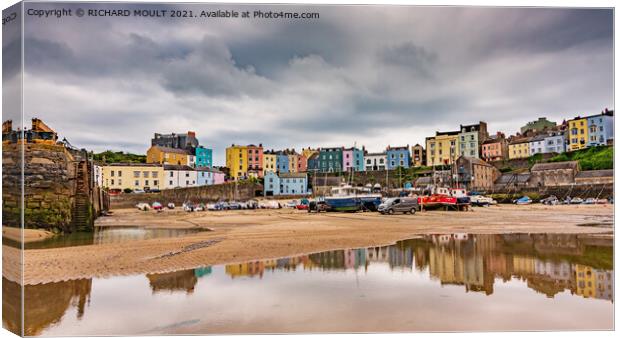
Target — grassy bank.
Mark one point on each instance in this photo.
(594, 158)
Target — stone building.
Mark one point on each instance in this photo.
(185, 141)
(595, 177)
(538, 125)
(554, 174)
(418, 156)
(474, 174)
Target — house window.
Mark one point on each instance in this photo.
(170, 182)
(154, 174)
(146, 182)
(120, 173)
(111, 182)
(155, 183)
(136, 183)
(145, 174)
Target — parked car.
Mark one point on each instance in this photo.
(318, 206)
(171, 205)
(138, 191)
(399, 204)
(157, 206)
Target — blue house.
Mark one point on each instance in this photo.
(313, 162)
(271, 185)
(204, 157)
(398, 157)
(208, 176)
(294, 184)
(358, 159)
(600, 128)
(282, 162)
(285, 184)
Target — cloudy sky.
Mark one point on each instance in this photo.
(367, 75)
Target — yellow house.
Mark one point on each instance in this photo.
(293, 163)
(269, 162)
(577, 134)
(237, 161)
(442, 148)
(519, 149)
(166, 155)
(120, 176)
(523, 265)
(307, 152)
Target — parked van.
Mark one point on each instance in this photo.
(399, 204)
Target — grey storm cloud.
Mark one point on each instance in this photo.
(408, 56)
(374, 75)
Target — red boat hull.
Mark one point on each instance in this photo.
(436, 200)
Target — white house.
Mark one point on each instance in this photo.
(553, 142)
(375, 161)
(98, 175)
(179, 176)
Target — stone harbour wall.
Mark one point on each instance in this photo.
(207, 193)
(56, 187)
(49, 186)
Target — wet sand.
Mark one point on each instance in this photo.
(245, 235)
(30, 235)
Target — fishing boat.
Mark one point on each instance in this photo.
(348, 198)
(444, 197)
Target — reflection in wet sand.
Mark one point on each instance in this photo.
(569, 271)
(549, 263)
(44, 304)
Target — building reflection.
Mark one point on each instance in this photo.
(44, 304)
(548, 263)
(183, 280)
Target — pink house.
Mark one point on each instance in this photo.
(218, 177)
(347, 159)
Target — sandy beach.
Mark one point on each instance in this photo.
(245, 235)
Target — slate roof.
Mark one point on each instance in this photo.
(293, 175)
(595, 173)
(508, 178)
(178, 167)
(555, 166)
